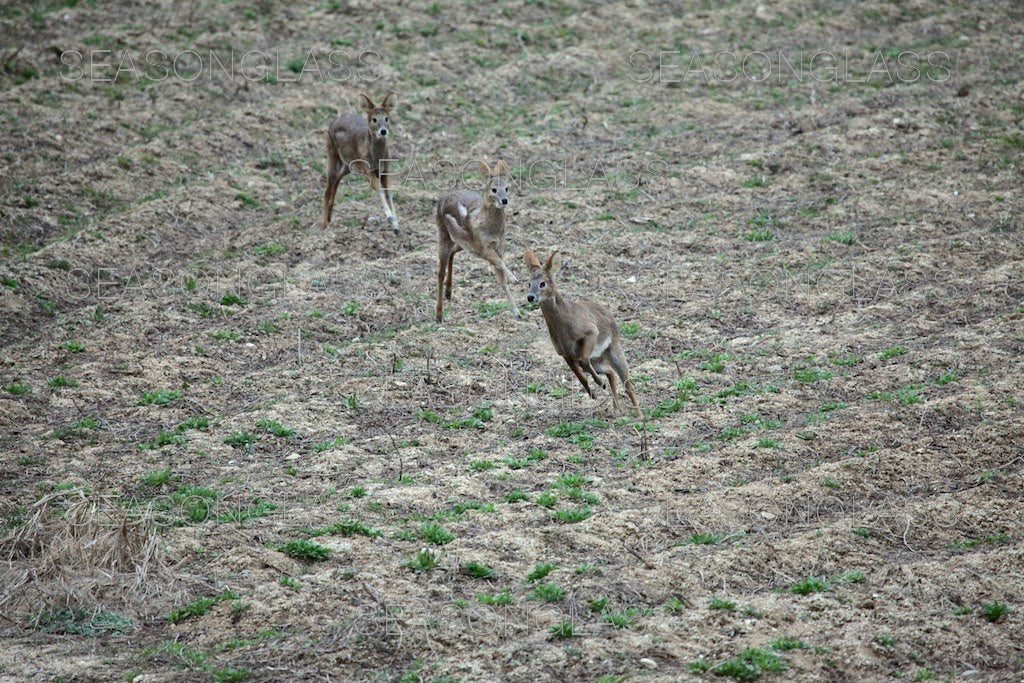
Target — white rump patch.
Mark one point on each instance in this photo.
(462, 210)
(601, 347)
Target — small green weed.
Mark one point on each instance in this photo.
(809, 585)
(548, 592)
(159, 398)
(306, 550)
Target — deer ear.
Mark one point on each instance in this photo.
(366, 102)
(501, 169)
(554, 262)
(532, 262)
(484, 171)
(389, 102)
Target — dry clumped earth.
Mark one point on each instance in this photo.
(237, 447)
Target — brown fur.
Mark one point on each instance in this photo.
(467, 220)
(352, 145)
(578, 330)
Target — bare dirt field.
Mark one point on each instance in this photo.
(234, 446)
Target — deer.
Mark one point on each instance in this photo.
(467, 220)
(360, 144)
(584, 333)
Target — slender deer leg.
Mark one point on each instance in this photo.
(610, 374)
(508, 293)
(503, 274)
(632, 397)
(378, 187)
(586, 348)
(622, 368)
(575, 367)
(471, 243)
(451, 273)
(336, 172)
(389, 204)
(444, 257)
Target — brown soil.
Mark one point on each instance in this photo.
(820, 282)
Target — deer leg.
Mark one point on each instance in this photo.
(377, 187)
(503, 274)
(335, 173)
(622, 368)
(471, 243)
(490, 255)
(610, 374)
(575, 367)
(586, 348)
(451, 272)
(508, 293)
(389, 204)
(444, 258)
(632, 397)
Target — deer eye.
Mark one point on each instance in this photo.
(375, 119)
(543, 284)
(494, 190)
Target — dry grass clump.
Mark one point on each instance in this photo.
(82, 551)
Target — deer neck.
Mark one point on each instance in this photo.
(378, 146)
(553, 307)
(491, 218)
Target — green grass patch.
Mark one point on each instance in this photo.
(749, 665)
(164, 438)
(160, 397)
(847, 237)
(305, 550)
(489, 310)
(994, 611)
(811, 375)
(432, 532)
(722, 604)
(241, 439)
(502, 599)
(478, 570)
(423, 561)
(330, 444)
(548, 592)
(540, 571)
(811, 584)
(199, 607)
(785, 644)
(572, 516)
(79, 622)
(275, 428)
(892, 352)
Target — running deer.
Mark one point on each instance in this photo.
(360, 144)
(582, 332)
(465, 220)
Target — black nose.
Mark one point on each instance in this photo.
(530, 298)
(504, 200)
(383, 132)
